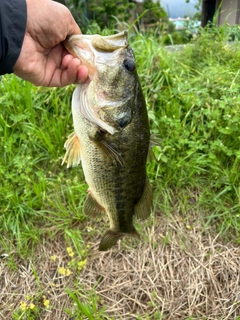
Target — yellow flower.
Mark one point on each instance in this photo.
(46, 303)
(70, 251)
(68, 272)
(81, 264)
(53, 258)
(64, 272)
(61, 270)
(31, 306)
(23, 306)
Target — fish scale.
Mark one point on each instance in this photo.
(111, 134)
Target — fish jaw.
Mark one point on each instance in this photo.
(89, 48)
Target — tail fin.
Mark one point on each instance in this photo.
(110, 238)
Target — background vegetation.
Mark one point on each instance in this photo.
(106, 12)
(147, 14)
(193, 101)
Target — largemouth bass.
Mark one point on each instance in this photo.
(111, 134)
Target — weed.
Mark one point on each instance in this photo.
(89, 309)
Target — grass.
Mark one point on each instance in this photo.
(193, 102)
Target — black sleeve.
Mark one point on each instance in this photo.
(13, 18)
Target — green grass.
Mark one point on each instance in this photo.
(34, 186)
(194, 107)
(193, 102)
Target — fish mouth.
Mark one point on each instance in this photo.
(90, 48)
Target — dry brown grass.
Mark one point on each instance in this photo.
(178, 272)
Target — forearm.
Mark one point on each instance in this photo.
(13, 18)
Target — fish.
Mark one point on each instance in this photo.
(111, 135)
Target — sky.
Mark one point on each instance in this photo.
(178, 8)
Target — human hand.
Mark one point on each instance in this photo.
(43, 60)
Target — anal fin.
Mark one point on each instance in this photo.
(144, 206)
(91, 207)
(73, 151)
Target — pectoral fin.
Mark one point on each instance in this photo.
(91, 207)
(107, 148)
(73, 154)
(144, 206)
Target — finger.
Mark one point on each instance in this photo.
(71, 73)
(82, 74)
(67, 59)
(74, 73)
(82, 71)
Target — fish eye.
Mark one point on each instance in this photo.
(129, 64)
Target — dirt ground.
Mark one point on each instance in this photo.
(176, 271)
